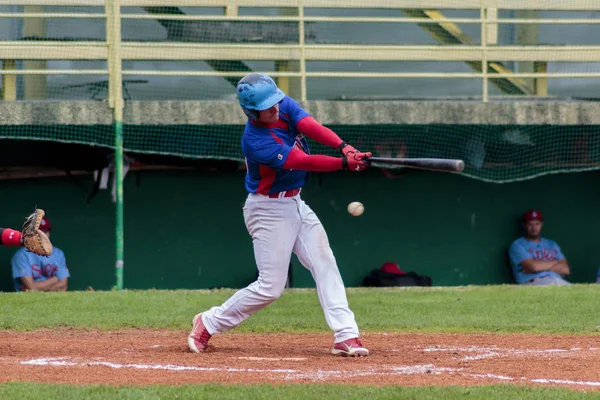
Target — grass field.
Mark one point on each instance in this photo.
(499, 309)
(261, 392)
(572, 310)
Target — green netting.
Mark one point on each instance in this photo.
(494, 153)
(491, 153)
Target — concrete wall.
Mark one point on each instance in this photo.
(455, 112)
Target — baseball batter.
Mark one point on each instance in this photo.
(278, 220)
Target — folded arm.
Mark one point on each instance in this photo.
(531, 266)
(561, 267)
(61, 285)
(40, 286)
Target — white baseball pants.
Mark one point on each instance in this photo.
(279, 227)
(548, 280)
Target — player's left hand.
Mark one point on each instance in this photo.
(348, 149)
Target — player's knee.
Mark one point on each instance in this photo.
(271, 291)
(271, 296)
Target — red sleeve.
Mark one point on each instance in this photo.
(297, 159)
(10, 237)
(317, 132)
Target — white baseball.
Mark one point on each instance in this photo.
(356, 208)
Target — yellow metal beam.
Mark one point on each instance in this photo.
(540, 84)
(290, 86)
(9, 82)
(583, 5)
(34, 85)
(450, 33)
(52, 50)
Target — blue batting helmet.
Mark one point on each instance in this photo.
(258, 92)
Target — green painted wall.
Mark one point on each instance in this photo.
(185, 229)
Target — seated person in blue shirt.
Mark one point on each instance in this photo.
(32, 272)
(536, 260)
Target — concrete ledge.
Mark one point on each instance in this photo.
(449, 112)
(55, 113)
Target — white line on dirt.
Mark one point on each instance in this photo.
(272, 358)
(498, 349)
(59, 362)
(491, 352)
(491, 376)
(293, 374)
(567, 382)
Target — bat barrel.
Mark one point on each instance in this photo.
(433, 164)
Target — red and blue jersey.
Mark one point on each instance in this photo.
(267, 146)
(522, 249)
(39, 268)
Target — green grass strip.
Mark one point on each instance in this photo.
(503, 309)
(33, 391)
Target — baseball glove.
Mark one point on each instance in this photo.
(35, 240)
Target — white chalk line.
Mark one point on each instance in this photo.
(272, 358)
(293, 374)
(491, 352)
(63, 362)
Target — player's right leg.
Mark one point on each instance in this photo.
(273, 225)
(314, 252)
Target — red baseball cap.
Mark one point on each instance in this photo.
(45, 225)
(533, 214)
(392, 268)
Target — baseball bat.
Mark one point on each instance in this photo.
(432, 164)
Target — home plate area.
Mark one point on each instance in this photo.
(139, 357)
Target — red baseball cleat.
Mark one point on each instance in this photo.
(350, 348)
(199, 336)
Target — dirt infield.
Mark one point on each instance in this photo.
(139, 357)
